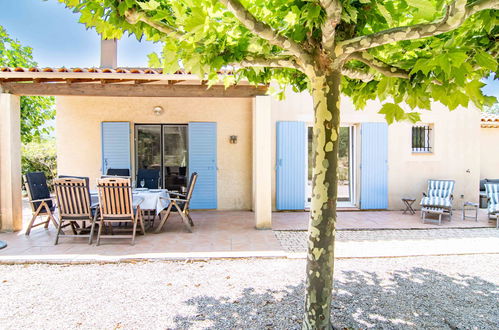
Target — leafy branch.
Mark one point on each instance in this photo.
(266, 32)
(455, 15)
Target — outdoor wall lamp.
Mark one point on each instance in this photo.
(233, 139)
(157, 110)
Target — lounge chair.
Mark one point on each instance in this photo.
(116, 206)
(73, 199)
(42, 204)
(492, 190)
(181, 204)
(438, 199)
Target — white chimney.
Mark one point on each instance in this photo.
(109, 53)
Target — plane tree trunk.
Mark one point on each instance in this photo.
(320, 256)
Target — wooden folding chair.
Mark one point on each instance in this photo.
(116, 205)
(42, 204)
(181, 205)
(73, 199)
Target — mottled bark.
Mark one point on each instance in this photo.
(333, 10)
(320, 257)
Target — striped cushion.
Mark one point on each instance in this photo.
(492, 191)
(440, 188)
(493, 208)
(436, 202)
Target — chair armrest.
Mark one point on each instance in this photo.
(176, 194)
(178, 199)
(41, 200)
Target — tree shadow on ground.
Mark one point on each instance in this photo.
(418, 298)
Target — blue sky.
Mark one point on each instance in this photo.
(59, 40)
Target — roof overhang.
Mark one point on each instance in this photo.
(116, 82)
(489, 120)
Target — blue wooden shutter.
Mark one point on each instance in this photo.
(115, 145)
(374, 166)
(203, 160)
(291, 160)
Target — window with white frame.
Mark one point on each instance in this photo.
(422, 138)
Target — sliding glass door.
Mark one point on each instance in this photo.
(175, 157)
(163, 147)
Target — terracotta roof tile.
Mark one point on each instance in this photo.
(490, 117)
(98, 70)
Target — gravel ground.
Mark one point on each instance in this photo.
(296, 240)
(416, 292)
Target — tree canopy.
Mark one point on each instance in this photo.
(262, 39)
(35, 110)
(401, 52)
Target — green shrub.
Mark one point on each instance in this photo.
(40, 156)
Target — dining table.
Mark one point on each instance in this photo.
(148, 199)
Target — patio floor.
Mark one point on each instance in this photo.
(216, 234)
(381, 220)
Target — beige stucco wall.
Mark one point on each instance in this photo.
(489, 151)
(78, 131)
(456, 155)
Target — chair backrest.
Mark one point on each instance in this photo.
(115, 198)
(440, 188)
(114, 176)
(73, 197)
(37, 188)
(87, 182)
(182, 170)
(492, 191)
(150, 177)
(190, 189)
(118, 171)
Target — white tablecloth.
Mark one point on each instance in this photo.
(153, 200)
(156, 200)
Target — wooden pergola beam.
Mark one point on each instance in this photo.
(163, 90)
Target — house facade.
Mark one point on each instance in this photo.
(251, 151)
(379, 163)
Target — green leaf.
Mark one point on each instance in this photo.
(445, 65)
(486, 60)
(291, 18)
(393, 112)
(154, 61)
(149, 5)
(386, 14)
(425, 8)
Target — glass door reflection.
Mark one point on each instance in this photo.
(175, 157)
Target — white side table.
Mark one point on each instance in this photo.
(470, 206)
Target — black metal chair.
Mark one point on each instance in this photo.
(118, 171)
(150, 177)
(42, 204)
(181, 205)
